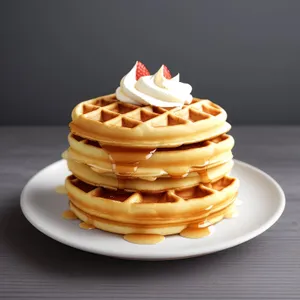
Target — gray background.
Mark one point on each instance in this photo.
(243, 55)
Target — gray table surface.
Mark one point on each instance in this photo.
(33, 266)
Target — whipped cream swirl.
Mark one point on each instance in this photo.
(153, 90)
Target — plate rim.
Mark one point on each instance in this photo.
(193, 252)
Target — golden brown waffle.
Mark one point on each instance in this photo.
(164, 161)
(109, 121)
(171, 206)
(111, 181)
(165, 213)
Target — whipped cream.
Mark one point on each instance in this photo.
(154, 89)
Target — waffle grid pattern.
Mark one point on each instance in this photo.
(111, 122)
(109, 110)
(194, 193)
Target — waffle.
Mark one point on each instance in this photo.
(109, 121)
(147, 170)
(111, 181)
(164, 161)
(143, 213)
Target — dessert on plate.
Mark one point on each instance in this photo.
(150, 160)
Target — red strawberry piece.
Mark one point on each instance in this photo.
(167, 72)
(141, 70)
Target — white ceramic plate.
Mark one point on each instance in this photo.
(262, 199)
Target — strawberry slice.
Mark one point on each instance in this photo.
(141, 70)
(167, 72)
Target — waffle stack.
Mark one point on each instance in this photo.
(145, 170)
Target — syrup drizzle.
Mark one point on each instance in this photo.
(86, 226)
(197, 229)
(125, 161)
(69, 215)
(144, 239)
(204, 175)
(200, 230)
(196, 233)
